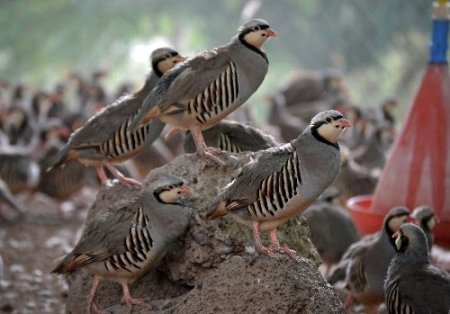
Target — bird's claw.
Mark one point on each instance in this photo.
(131, 182)
(211, 156)
(285, 250)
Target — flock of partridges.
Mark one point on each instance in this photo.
(194, 95)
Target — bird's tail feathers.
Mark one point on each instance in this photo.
(216, 209)
(146, 113)
(155, 129)
(60, 158)
(71, 262)
(65, 265)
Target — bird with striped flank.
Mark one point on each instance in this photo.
(106, 139)
(365, 263)
(283, 181)
(412, 284)
(198, 93)
(122, 244)
(233, 137)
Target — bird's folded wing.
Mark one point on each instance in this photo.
(109, 229)
(244, 190)
(103, 125)
(184, 82)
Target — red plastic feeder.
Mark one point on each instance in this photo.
(418, 169)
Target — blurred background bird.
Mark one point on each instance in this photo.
(412, 284)
(364, 265)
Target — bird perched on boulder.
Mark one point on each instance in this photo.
(123, 243)
(105, 139)
(365, 263)
(424, 217)
(283, 181)
(200, 92)
(233, 137)
(412, 284)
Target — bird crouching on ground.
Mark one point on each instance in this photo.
(412, 284)
(283, 181)
(122, 244)
(105, 138)
(198, 93)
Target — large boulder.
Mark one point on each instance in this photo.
(213, 268)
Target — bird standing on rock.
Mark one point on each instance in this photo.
(365, 263)
(122, 244)
(283, 181)
(201, 91)
(412, 284)
(105, 137)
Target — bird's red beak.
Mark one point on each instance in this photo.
(397, 234)
(180, 58)
(271, 33)
(185, 190)
(344, 123)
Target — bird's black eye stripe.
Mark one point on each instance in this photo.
(173, 54)
(252, 29)
(328, 119)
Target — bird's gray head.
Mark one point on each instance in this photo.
(327, 126)
(394, 219)
(169, 190)
(255, 33)
(424, 216)
(411, 237)
(163, 59)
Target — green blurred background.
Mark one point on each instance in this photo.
(380, 46)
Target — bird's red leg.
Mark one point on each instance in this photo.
(171, 132)
(202, 149)
(276, 247)
(258, 242)
(101, 174)
(122, 179)
(129, 300)
(91, 302)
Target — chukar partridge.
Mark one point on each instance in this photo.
(412, 284)
(122, 244)
(105, 139)
(424, 217)
(233, 137)
(365, 263)
(283, 181)
(198, 93)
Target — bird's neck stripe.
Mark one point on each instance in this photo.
(318, 137)
(258, 51)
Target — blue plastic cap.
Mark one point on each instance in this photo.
(439, 42)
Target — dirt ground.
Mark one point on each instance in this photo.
(29, 247)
